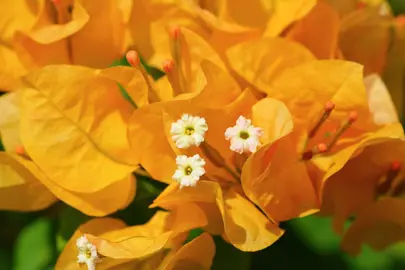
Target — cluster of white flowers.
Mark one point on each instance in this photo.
(190, 131)
(87, 253)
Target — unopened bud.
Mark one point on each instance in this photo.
(132, 58)
(353, 116)
(321, 148)
(19, 150)
(168, 65)
(395, 166)
(329, 106)
(175, 33)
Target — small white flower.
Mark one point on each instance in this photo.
(244, 136)
(87, 253)
(188, 130)
(189, 170)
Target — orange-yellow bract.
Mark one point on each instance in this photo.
(74, 136)
(221, 23)
(367, 183)
(158, 244)
(362, 117)
(218, 194)
(362, 33)
(319, 82)
(308, 87)
(45, 32)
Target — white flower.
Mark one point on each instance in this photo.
(243, 136)
(189, 170)
(188, 130)
(87, 253)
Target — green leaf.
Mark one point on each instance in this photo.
(34, 247)
(125, 94)
(5, 259)
(69, 220)
(398, 6)
(229, 257)
(1, 145)
(194, 233)
(148, 188)
(154, 72)
(316, 232)
(120, 62)
(397, 252)
(370, 260)
(123, 62)
(138, 212)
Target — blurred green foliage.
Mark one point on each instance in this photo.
(34, 247)
(398, 6)
(228, 257)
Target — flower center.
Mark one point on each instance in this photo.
(189, 130)
(244, 135)
(188, 170)
(88, 253)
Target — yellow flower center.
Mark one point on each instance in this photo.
(88, 253)
(189, 130)
(244, 135)
(188, 170)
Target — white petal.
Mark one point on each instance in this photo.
(237, 145)
(231, 132)
(81, 258)
(185, 117)
(198, 139)
(178, 175)
(198, 172)
(243, 122)
(181, 160)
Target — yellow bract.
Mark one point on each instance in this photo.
(60, 32)
(74, 124)
(82, 37)
(279, 183)
(318, 31)
(9, 121)
(143, 246)
(25, 187)
(26, 12)
(20, 188)
(365, 36)
(228, 213)
(305, 89)
(262, 61)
